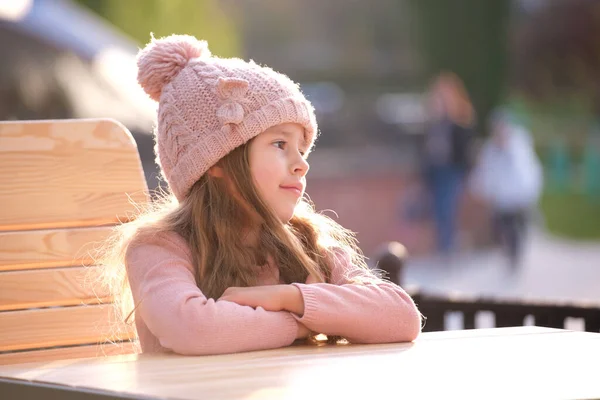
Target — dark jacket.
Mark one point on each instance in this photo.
(457, 144)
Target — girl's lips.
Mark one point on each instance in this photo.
(293, 189)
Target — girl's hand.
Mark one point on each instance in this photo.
(267, 297)
(270, 297)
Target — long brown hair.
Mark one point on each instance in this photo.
(452, 92)
(213, 220)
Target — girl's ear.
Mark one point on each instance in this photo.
(216, 171)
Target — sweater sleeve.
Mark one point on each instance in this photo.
(183, 319)
(377, 311)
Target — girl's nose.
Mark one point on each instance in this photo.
(300, 166)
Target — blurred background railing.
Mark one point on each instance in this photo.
(455, 310)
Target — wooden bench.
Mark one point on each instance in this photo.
(63, 184)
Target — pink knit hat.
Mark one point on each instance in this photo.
(208, 105)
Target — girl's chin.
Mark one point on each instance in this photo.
(285, 218)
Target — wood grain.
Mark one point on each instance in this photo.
(65, 353)
(51, 287)
(64, 326)
(64, 184)
(68, 174)
(50, 248)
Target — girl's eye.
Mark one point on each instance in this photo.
(281, 144)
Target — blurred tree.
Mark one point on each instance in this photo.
(360, 45)
(556, 52)
(201, 18)
(469, 38)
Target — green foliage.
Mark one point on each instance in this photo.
(572, 215)
(568, 145)
(559, 120)
(201, 18)
(469, 38)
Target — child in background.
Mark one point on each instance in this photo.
(235, 259)
(509, 177)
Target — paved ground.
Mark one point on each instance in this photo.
(553, 268)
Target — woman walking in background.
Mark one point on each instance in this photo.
(447, 153)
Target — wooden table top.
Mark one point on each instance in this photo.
(508, 363)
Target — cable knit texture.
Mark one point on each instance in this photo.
(174, 315)
(208, 105)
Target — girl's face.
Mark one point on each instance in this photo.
(278, 167)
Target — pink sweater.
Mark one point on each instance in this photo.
(175, 316)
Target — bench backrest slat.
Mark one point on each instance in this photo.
(49, 248)
(64, 353)
(58, 174)
(61, 326)
(52, 287)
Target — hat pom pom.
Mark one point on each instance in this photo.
(162, 59)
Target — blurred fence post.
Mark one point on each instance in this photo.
(391, 258)
(591, 164)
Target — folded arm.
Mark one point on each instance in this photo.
(374, 312)
(184, 320)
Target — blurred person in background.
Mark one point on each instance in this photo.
(447, 153)
(509, 177)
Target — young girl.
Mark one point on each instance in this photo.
(235, 259)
